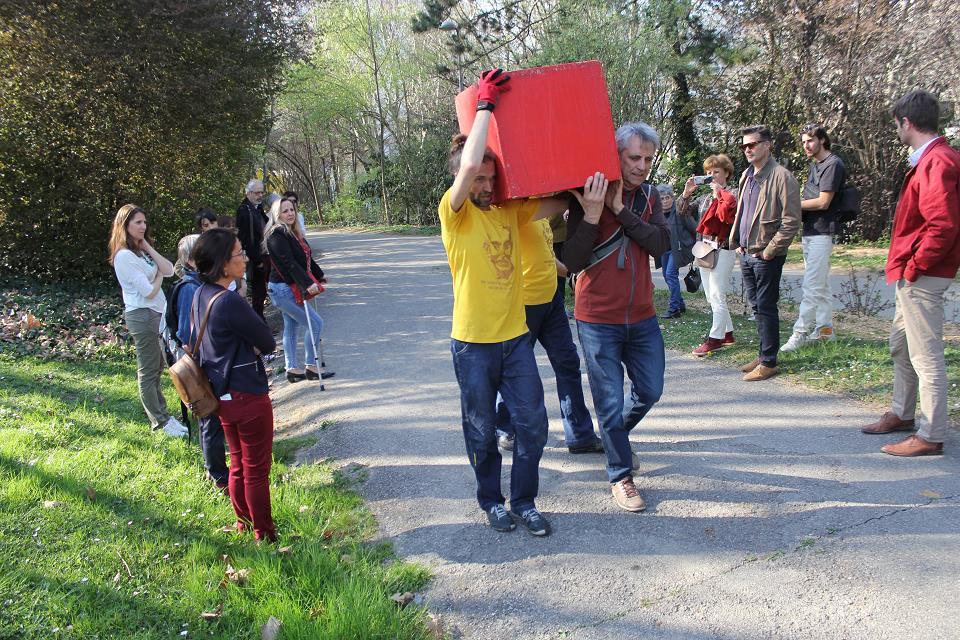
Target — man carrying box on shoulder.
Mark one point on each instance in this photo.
(491, 348)
(610, 241)
(548, 324)
(922, 262)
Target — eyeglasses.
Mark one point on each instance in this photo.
(750, 145)
(237, 255)
(257, 193)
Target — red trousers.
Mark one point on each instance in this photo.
(248, 426)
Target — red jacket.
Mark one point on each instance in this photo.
(719, 217)
(926, 226)
(611, 292)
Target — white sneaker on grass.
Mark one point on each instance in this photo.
(796, 341)
(175, 429)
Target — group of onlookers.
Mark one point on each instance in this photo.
(507, 297)
(216, 267)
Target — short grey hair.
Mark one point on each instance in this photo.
(665, 190)
(642, 130)
(253, 185)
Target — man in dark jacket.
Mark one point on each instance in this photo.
(610, 244)
(922, 262)
(250, 222)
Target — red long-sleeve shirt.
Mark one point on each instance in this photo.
(926, 226)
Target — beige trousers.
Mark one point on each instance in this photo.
(916, 344)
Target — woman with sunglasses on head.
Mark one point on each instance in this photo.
(140, 271)
(229, 353)
(293, 266)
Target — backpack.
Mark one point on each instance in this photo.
(848, 207)
(189, 379)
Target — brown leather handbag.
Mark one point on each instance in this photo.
(189, 379)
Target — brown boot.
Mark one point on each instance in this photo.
(747, 368)
(914, 446)
(888, 423)
(762, 372)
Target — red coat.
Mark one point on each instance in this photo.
(719, 217)
(926, 226)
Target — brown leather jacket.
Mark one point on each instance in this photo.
(776, 219)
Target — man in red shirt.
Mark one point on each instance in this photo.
(922, 261)
(610, 242)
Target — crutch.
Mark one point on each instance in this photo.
(318, 354)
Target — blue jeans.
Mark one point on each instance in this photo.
(671, 275)
(761, 281)
(607, 348)
(295, 325)
(549, 325)
(212, 446)
(510, 368)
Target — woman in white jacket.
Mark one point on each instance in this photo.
(140, 271)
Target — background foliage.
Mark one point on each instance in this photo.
(173, 104)
(158, 102)
(698, 70)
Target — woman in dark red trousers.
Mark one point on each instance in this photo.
(230, 354)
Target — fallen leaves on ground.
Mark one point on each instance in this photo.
(213, 615)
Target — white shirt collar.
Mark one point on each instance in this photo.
(914, 157)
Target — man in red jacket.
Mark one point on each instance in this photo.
(922, 261)
(610, 241)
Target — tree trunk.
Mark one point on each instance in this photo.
(380, 117)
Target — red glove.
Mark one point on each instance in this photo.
(491, 84)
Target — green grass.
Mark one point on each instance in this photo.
(401, 229)
(861, 255)
(857, 364)
(108, 530)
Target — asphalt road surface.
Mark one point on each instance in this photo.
(769, 514)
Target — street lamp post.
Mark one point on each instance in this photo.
(452, 25)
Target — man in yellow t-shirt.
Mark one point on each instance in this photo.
(548, 324)
(491, 349)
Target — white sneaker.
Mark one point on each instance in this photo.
(175, 429)
(796, 341)
(505, 441)
(826, 334)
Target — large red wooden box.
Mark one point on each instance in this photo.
(550, 131)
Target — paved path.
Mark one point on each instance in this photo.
(770, 515)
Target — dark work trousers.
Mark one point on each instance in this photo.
(257, 281)
(761, 280)
(214, 454)
(561, 281)
(248, 425)
(549, 325)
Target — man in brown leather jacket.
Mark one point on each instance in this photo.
(768, 217)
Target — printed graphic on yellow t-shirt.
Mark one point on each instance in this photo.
(539, 264)
(483, 250)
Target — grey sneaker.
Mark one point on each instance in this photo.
(796, 341)
(499, 519)
(535, 523)
(626, 495)
(634, 460)
(505, 441)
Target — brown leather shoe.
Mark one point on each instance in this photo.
(914, 446)
(762, 372)
(888, 423)
(747, 368)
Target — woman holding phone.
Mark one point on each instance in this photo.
(140, 271)
(716, 211)
(293, 266)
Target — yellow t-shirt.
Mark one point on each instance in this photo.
(483, 249)
(539, 263)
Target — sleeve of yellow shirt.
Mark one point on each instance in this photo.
(448, 217)
(526, 209)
